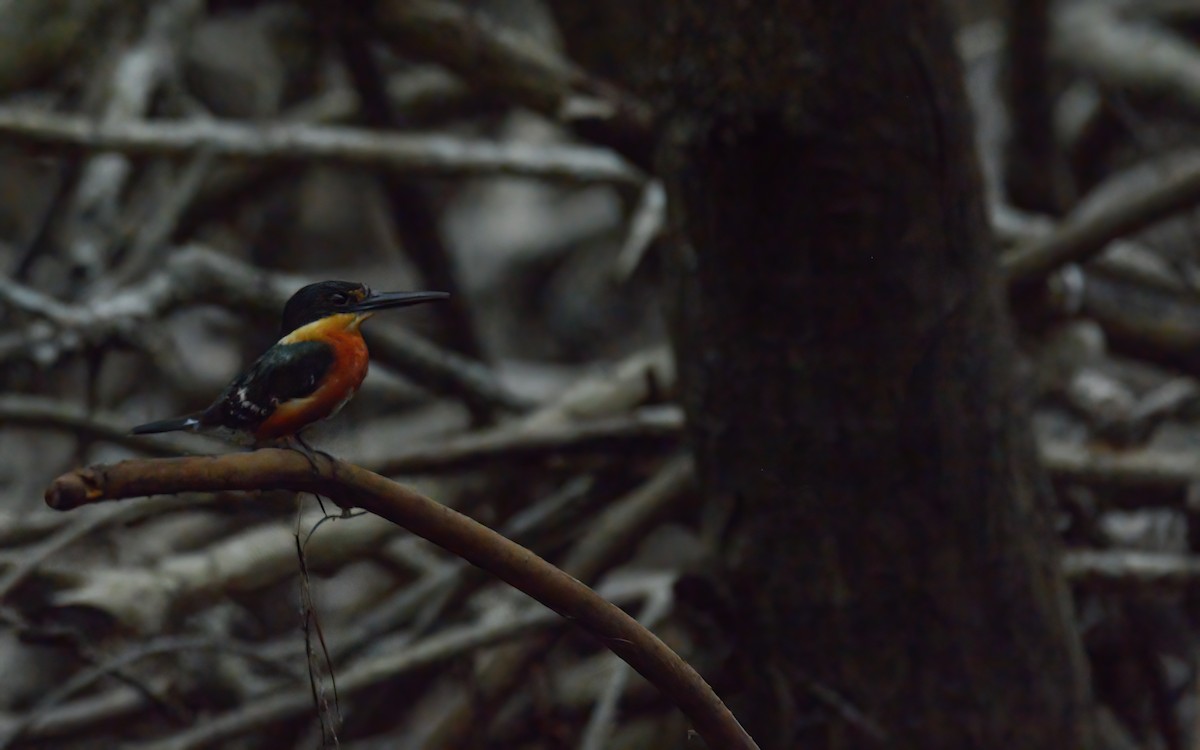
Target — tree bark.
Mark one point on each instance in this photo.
(846, 368)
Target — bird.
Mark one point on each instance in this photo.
(308, 375)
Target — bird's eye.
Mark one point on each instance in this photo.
(337, 298)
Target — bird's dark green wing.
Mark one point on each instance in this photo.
(282, 373)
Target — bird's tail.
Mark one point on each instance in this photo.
(167, 425)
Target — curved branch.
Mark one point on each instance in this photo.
(351, 486)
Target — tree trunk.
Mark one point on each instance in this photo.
(847, 373)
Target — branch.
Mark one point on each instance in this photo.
(375, 669)
(351, 486)
(197, 275)
(632, 434)
(429, 155)
(1035, 172)
(410, 211)
(1130, 569)
(138, 74)
(14, 730)
(610, 536)
(599, 729)
(1147, 467)
(142, 598)
(40, 412)
(504, 62)
(1141, 57)
(1081, 237)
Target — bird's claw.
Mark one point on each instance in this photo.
(299, 445)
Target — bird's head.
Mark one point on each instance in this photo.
(326, 298)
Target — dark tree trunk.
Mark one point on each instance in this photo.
(847, 373)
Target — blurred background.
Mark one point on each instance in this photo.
(171, 171)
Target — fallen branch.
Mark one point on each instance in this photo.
(351, 486)
(428, 155)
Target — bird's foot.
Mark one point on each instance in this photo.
(298, 444)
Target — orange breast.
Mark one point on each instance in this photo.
(340, 384)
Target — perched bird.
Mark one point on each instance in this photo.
(308, 375)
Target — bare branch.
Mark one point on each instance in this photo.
(1081, 237)
(381, 666)
(505, 62)
(39, 412)
(137, 76)
(1140, 57)
(1148, 467)
(647, 428)
(410, 211)
(143, 598)
(10, 732)
(351, 486)
(1130, 569)
(197, 275)
(429, 155)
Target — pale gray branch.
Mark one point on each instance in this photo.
(1130, 569)
(430, 155)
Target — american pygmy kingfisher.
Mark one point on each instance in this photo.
(308, 375)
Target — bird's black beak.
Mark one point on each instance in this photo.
(383, 300)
